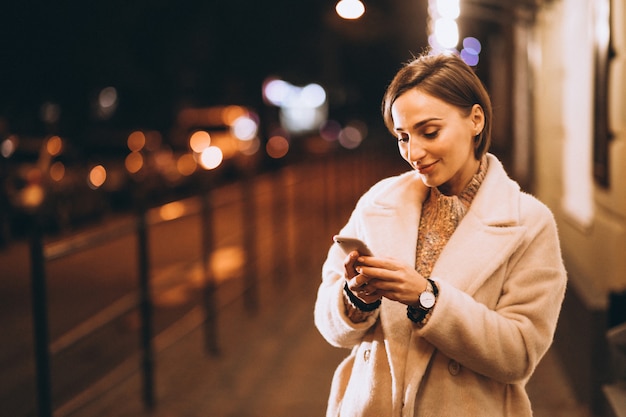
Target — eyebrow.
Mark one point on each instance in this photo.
(419, 124)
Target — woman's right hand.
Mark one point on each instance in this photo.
(357, 283)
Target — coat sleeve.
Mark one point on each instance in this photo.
(330, 317)
(504, 338)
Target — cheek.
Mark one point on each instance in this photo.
(404, 151)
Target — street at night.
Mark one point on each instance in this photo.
(172, 175)
(92, 297)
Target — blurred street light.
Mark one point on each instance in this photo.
(350, 9)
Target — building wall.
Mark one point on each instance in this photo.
(591, 219)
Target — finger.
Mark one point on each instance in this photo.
(378, 262)
(350, 264)
(357, 283)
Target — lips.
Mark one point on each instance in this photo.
(426, 168)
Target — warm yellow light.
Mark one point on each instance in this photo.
(249, 147)
(172, 210)
(186, 164)
(199, 141)
(54, 145)
(232, 113)
(133, 162)
(97, 176)
(136, 141)
(57, 171)
(277, 147)
(227, 262)
(32, 196)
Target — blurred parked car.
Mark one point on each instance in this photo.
(47, 177)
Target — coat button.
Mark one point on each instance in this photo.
(454, 368)
(366, 355)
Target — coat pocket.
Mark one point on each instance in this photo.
(362, 382)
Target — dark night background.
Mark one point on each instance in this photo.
(163, 54)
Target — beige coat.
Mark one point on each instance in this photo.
(501, 284)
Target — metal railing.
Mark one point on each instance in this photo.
(342, 180)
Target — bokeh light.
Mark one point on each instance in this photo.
(107, 97)
(133, 162)
(446, 33)
(107, 103)
(330, 130)
(57, 171)
(244, 128)
(471, 50)
(472, 45)
(171, 211)
(277, 147)
(186, 164)
(199, 141)
(136, 141)
(54, 145)
(313, 95)
(249, 147)
(211, 157)
(231, 113)
(97, 177)
(8, 146)
(32, 196)
(50, 112)
(350, 9)
(449, 9)
(353, 134)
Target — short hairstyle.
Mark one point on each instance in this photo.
(448, 78)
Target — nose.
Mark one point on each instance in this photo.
(416, 151)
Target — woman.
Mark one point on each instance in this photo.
(460, 301)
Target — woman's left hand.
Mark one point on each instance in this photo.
(389, 278)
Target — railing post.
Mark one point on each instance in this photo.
(250, 237)
(281, 249)
(145, 307)
(210, 308)
(40, 320)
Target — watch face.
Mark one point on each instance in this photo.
(427, 299)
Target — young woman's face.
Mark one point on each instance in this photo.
(437, 139)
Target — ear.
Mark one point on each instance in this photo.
(477, 118)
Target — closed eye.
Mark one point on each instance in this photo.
(431, 134)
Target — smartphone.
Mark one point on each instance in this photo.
(349, 244)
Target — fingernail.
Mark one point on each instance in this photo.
(358, 269)
(360, 259)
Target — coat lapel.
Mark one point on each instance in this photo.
(474, 252)
(393, 216)
(487, 235)
(392, 223)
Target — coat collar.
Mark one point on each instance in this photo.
(487, 235)
(392, 216)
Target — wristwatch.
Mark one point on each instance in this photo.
(425, 303)
(427, 298)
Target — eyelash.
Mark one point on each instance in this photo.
(429, 135)
(403, 139)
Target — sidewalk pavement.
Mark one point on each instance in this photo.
(272, 363)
